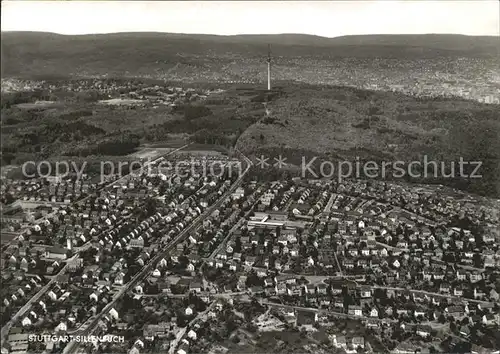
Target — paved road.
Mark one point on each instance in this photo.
(73, 346)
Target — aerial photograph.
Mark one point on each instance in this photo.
(226, 177)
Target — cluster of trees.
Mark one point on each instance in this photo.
(50, 133)
(190, 111)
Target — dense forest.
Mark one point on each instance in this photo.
(331, 123)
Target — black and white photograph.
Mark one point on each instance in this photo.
(229, 177)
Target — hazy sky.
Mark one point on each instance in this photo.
(324, 18)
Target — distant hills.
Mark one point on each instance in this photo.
(342, 124)
(27, 54)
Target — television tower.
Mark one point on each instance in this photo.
(269, 67)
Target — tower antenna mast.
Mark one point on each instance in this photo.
(269, 67)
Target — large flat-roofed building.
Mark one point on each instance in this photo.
(270, 224)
